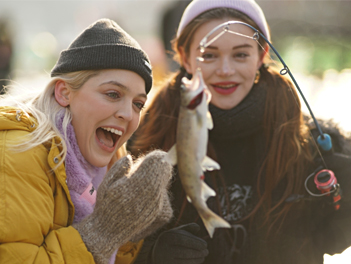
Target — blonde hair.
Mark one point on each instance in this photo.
(42, 105)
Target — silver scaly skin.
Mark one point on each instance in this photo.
(190, 150)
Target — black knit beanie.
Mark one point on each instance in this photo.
(104, 45)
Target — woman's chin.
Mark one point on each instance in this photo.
(99, 161)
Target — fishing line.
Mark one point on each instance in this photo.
(297, 103)
(323, 140)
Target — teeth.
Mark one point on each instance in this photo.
(112, 130)
(226, 86)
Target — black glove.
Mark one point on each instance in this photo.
(179, 246)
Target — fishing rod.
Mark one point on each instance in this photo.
(323, 140)
(324, 179)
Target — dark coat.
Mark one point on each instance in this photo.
(312, 227)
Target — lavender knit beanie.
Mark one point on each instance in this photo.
(248, 7)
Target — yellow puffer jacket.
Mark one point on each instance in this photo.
(36, 211)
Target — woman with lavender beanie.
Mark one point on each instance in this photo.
(63, 198)
(261, 141)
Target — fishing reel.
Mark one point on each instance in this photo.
(325, 183)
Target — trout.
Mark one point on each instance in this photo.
(189, 152)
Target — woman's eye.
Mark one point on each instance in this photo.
(139, 105)
(113, 95)
(208, 56)
(241, 55)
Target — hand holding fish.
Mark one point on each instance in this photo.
(189, 152)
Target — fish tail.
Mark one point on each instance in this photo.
(213, 221)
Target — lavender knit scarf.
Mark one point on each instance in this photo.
(79, 173)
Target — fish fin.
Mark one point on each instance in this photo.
(209, 121)
(209, 164)
(213, 221)
(206, 191)
(171, 156)
(199, 118)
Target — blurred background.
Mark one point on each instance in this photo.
(313, 37)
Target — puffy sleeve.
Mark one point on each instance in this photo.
(29, 194)
(128, 253)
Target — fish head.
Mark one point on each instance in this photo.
(194, 91)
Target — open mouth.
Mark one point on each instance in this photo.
(108, 136)
(196, 101)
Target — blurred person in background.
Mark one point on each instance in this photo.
(169, 24)
(263, 145)
(5, 54)
(64, 196)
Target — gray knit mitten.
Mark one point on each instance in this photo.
(163, 218)
(131, 203)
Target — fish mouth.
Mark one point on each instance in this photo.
(108, 136)
(195, 101)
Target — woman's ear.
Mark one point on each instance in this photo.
(62, 93)
(184, 60)
(262, 56)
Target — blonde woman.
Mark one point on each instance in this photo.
(58, 202)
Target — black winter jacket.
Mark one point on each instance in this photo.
(312, 228)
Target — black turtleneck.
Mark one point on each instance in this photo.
(238, 159)
(237, 137)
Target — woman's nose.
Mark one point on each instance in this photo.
(226, 68)
(125, 111)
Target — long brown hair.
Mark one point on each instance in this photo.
(287, 138)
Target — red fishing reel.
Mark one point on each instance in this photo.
(328, 185)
